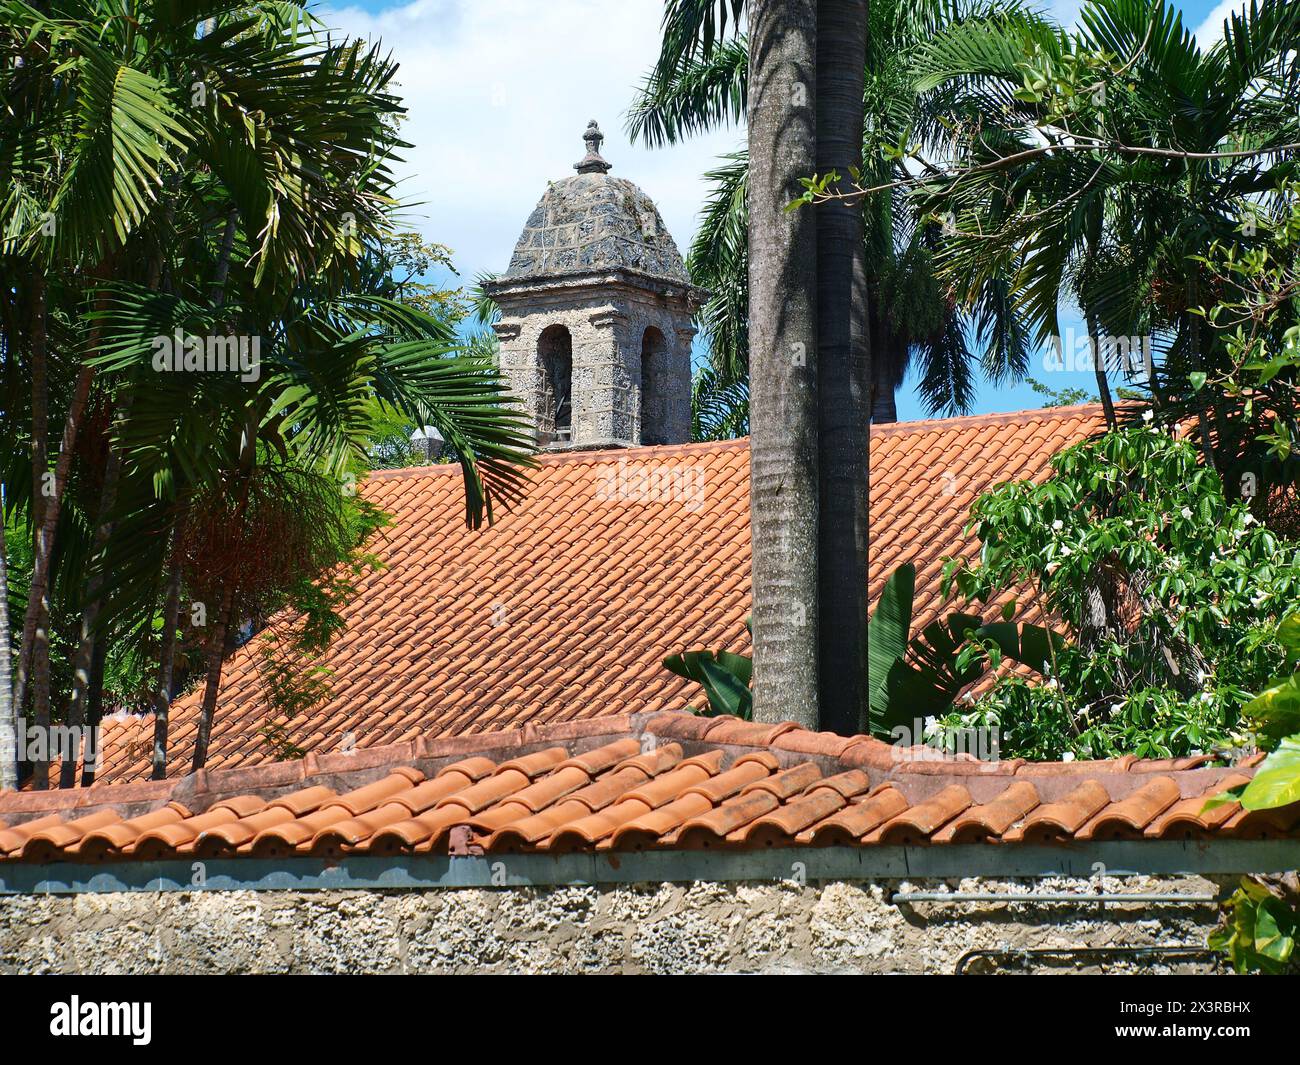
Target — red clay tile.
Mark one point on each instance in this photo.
(1057, 820)
(989, 820)
(916, 824)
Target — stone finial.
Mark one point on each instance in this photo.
(593, 162)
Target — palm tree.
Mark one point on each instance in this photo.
(244, 212)
(916, 320)
(783, 361)
(1110, 187)
(842, 375)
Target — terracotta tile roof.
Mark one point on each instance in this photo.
(627, 782)
(565, 608)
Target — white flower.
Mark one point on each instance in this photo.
(1201, 676)
(1065, 551)
(1052, 684)
(1147, 415)
(1068, 756)
(1058, 525)
(1187, 513)
(1248, 519)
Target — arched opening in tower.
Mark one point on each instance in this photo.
(654, 384)
(555, 410)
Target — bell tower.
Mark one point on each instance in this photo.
(597, 315)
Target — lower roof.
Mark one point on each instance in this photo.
(646, 782)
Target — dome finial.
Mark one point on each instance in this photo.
(592, 162)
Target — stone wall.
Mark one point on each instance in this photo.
(700, 927)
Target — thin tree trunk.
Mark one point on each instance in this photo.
(1099, 368)
(37, 620)
(783, 360)
(95, 713)
(83, 660)
(8, 723)
(167, 658)
(40, 462)
(216, 653)
(842, 385)
(216, 649)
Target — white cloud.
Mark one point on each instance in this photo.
(499, 93)
(1210, 31)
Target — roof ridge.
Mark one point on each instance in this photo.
(585, 455)
(692, 447)
(965, 421)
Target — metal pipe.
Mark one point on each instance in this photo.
(898, 898)
(1187, 951)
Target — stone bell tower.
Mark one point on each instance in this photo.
(596, 315)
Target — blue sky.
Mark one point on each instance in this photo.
(499, 92)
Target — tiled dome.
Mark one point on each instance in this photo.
(592, 221)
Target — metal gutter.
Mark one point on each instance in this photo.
(797, 864)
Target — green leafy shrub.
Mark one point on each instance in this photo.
(1170, 595)
(1261, 920)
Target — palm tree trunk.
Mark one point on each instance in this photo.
(83, 661)
(1099, 368)
(884, 409)
(40, 460)
(8, 724)
(216, 649)
(842, 384)
(37, 620)
(216, 653)
(783, 360)
(167, 659)
(95, 712)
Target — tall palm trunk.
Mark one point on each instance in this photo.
(40, 460)
(36, 622)
(783, 360)
(83, 660)
(1099, 368)
(167, 658)
(842, 383)
(8, 724)
(95, 712)
(884, 409)
(216, 648)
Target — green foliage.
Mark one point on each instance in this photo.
(724, 676)
(1261, 921)
(922, 675)
(1060, 397)
(1172, 596)
(1259, 929)
(719, 409)
(909, 675)
(289, 656)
